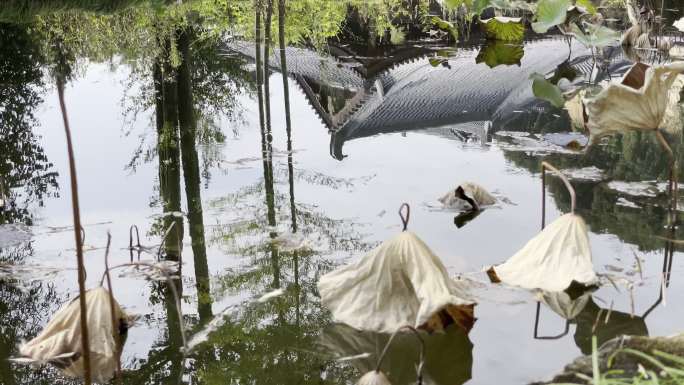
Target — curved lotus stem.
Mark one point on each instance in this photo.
(2, 193)
(76, 211)
(422, 350)
(536, 327)
(571, 190)
(674, 183)
(161, 245)
(405, 218)
(111, 302)
(168, 279)
(130, 237)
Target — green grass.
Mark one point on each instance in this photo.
(19, 11)
(664, 369)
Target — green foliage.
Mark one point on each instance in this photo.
(445, 26)
(397, 36)
(23, 163)
(496, 53)
(550, 13)
(472, 7)
(545, 90)
(513, 5)
(586, 4)
(504, 28)
(659, 368)
(595, 35)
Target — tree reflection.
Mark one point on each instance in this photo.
(630, 157)
(24, 306)
(25, 170)
(271, 342)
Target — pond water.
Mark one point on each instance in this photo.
(352, 132)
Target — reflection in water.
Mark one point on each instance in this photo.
(26, 174)
(359, 89)
(577, 306)
(191, 174)
(592, 322)
(23, 306)
(639, 216)
(448, 355)
(169, 155)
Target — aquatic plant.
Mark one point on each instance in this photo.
(504, 28)
(401, 282)
(550, 13)
(555, 258)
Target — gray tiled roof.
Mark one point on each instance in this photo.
(415, 95)
(312, 65)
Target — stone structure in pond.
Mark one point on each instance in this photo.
(460, 92)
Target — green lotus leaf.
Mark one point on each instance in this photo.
(545, 90)
(496, 53)
(473, 7)
(445, 26)
(511, 5)
(595, 35)
(587, 5)
(550, 13)
(397, 36)
(504, 28)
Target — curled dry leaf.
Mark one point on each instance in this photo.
(563, 304)
(374, 378)
(679, 24)
(576, 111)
(467, 196)
(552, 260)
(60, 342)
(641, 101)
(401, 282)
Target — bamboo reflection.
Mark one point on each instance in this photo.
(263, 91)
(191, 174)
(169, 156)
(290, 161)
(168, 111)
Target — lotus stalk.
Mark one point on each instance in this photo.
(571, 190)
(85, 340)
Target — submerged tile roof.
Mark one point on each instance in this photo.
(414, 94)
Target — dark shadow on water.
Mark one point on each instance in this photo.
(448, 355)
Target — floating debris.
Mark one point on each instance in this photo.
(570, 140)
(354, 357)
(626, 203)
(292, 242)
(60, 342)
(152, 270)
(13, 234)
(585, 174)
(270, 295)
(203, 335)
(636, 189)
(23, 275)
(467, 196)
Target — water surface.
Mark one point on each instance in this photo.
(370, 128)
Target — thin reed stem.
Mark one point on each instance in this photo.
(85, 340)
